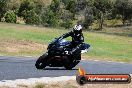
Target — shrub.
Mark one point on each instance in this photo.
(10, 17)
(32, 18)
(49, 18)
(67, 24)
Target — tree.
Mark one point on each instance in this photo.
(53, 13)
(81, 5)
(87, 7)
(71, 6)
(88, 17)
(25, 6)
(68, 23)
(48, 17)
(101, 8)
(124, 8)
(40, 4)
(66, 18)
(13, 4)
(32, 18)
(3, 7)
(55, 6)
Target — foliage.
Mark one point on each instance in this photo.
(66, 19)
(48, 18)
(55, 6)
(50, 15)
(81, 5)
(101, 8)
(32, 18)
(10, 17)
(124, 8)
(39, 4)
(13, 4)
(25, 6)
(88, 17)
(3, 7)
(64, 12)
(67, 24)
(71, 6)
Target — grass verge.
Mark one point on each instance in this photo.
(71, 84)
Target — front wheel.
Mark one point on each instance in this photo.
(71, 65)
(41, 62)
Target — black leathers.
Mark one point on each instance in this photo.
(77, 40)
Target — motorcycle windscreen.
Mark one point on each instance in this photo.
(85, 48)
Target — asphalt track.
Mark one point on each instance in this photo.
(12, 68)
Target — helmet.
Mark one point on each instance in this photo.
(77, 29)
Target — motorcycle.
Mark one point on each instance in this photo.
(57, 55)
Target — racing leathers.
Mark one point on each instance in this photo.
(76, 43)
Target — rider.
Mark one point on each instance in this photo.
(77, 38)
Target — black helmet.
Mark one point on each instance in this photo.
(77, 29)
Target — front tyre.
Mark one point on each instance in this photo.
(41, 62)
(69, 67)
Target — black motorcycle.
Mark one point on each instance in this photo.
(57, 55)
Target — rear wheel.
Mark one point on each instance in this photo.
(41, 62)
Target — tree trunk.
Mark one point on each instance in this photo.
(123, 21)
(123, 18)
(101, 21)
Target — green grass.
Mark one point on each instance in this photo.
(103, 46)
(111, 47)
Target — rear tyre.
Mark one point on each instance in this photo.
(41, 62)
